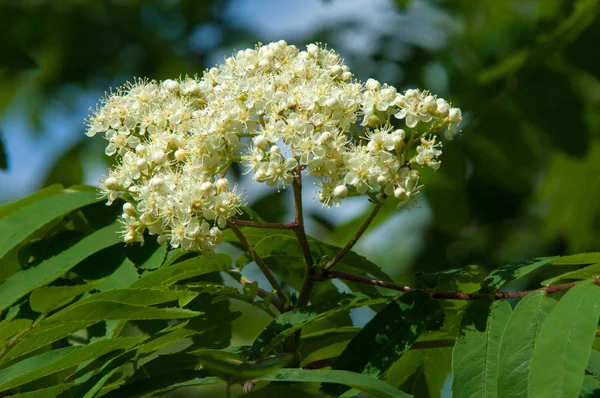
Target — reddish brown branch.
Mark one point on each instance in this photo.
(332, 274)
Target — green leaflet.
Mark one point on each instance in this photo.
(375, 388)
(50, 392)
(421, 372)
(564, 344)
(325, 338)
(9, 329)
(518, 341)
(156, 259)
(25, 281)
(387, 336)
(590, 387)
(184, 270)
(36, 367)
(475, 355)
(513, 271)
(11, 207)
(43, 334)
(19, 224)
(49, 298)
(127, 304)
(286, 324)
(125, 275)
(592, 260)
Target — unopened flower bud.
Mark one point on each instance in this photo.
(141, 149)
(336, 70)
(129, 209)
(260, 141)
(372, 85)
(206, 187)
(454, 115)
(159, 157)
(171, 85)
(341, 191)
(222, 184)
(111, 183)
(275, 149)
(382, 180)
(400, 193)
(181, 155)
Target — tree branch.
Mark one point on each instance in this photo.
(259, 261)
(333, 274)
(358, 234)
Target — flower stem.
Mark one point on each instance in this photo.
(308, 282)
(259, 261)
(357, 235)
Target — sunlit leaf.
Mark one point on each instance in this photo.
(23, 282)
(477, 348)
(519, 338)
(18, 225)
(564, 344)
(369, 385)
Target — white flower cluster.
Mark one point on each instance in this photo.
(277, 110)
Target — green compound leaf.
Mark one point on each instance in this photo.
(387, 336)
(477, 348)
(593, 365)
(286, 324)
(49, 298)
(45, 364)
(372, 386)
(518, 342)
(184, 270)
(564, 344)
(25, 281)
(510, 272)
(17, 226)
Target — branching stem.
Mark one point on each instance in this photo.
(259, 261)
(267, 225)
(378, 204)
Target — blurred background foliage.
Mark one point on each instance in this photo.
(523, 179)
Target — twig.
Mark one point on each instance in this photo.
(308, 282)
(267, 225)
(419, 345)
(259, 261)
(333, 274)
(357, 235)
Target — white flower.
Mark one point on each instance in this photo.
(279, 111)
